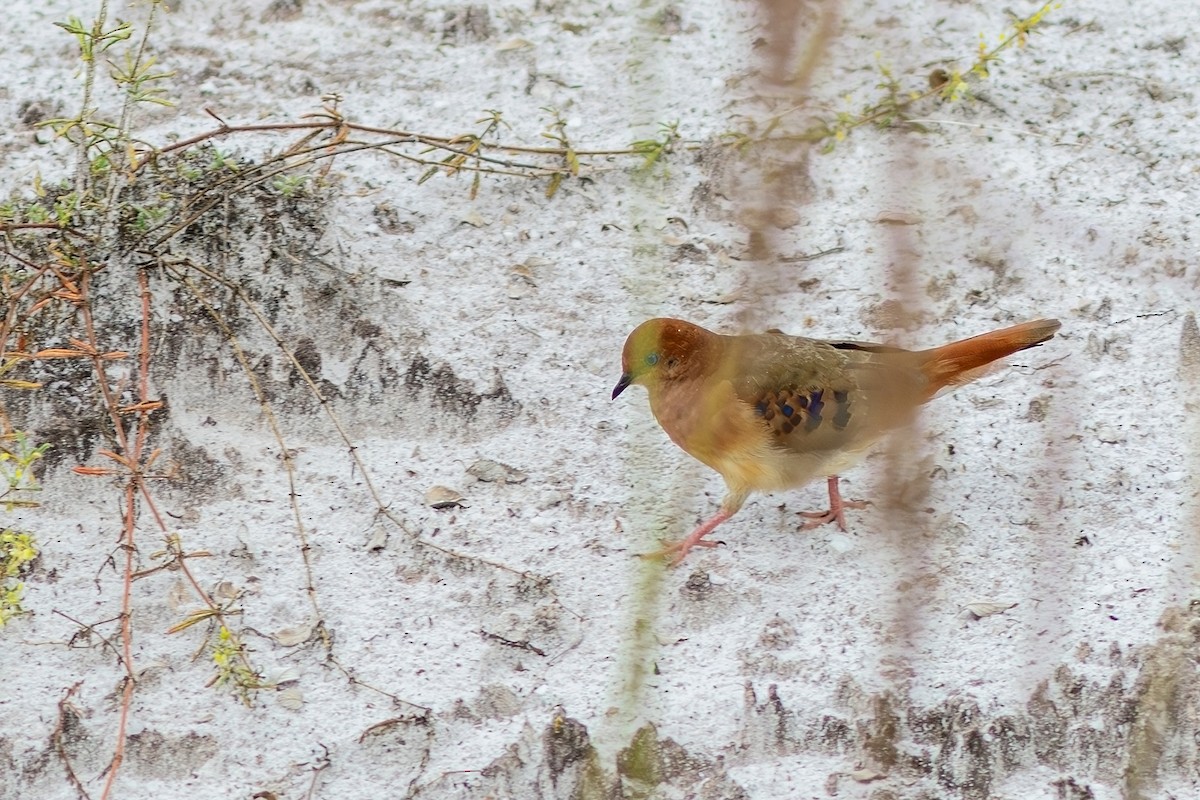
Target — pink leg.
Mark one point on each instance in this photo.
(694, 539)
(837, 508)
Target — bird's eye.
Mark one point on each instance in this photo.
(652, 359)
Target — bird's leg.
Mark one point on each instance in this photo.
(837, 508)
(694, 539)
(678, 550)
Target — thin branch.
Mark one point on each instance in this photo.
(66, 710)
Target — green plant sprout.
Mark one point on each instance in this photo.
(233, 669)
(653, 150)
(16, 470)
(137, 78)
(101, 141)
(95, 39)
(950, 85)
(557, 133)
(290, 185)
(17, 550)
(228, 653)
(458, 157)
(148, 216)
(220, 160)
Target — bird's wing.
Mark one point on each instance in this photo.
(820, 396)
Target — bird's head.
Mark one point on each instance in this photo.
(663, 350)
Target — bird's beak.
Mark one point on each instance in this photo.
(622, 385)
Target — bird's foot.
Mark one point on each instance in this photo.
(838, 515)
(837, 508)
(677, 551)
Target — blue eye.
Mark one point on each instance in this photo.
(652, 359)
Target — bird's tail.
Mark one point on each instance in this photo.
(962, 362)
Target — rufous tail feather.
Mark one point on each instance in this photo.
(962, 362)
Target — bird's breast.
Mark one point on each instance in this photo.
(713, 425)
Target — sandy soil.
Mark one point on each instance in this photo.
(514, 646)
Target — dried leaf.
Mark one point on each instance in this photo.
(490, 471)
(981, 610)
(474, 219)
(378, 540)
(191, 619)
(178, 595)
(58, 352)
(124, 462)
(866, 775)
(1189, 344)
(292, 699)
(441, 497)
(514, 44)
(82, 470)
(726, 299)
(426, 175)
(898, 218)
(282, 678)
(140, 408)
(10, 504)
(294, 635)
(518, 288)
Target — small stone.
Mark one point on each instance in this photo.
(840, 543)
(550, 498)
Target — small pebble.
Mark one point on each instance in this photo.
(840, 543)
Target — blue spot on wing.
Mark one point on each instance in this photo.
(788, 410)
(815, 405)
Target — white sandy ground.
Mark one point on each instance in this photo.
(1063, 484)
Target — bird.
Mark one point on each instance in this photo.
(771, 411)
